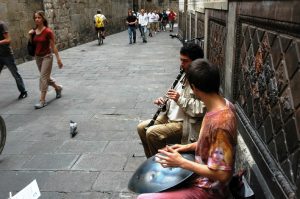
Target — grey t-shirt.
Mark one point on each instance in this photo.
(5, 49)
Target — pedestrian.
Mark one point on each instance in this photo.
(143, 22)
(215, 148)
(171, 19)
(160, 14)
(131, 21)
(181, 121)
(164, 20)
(7, 59)
(151, 24)
(156, 22)
(138, 24)
(44, 39)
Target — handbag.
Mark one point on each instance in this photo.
(31, 46)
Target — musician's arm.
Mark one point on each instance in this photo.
(173, 159)
(191, 105)
(184, 147)
(203, 170)
(219, 163)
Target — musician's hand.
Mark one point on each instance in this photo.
(173, 94)
(169, 158)
(159, 101)
(178, 147)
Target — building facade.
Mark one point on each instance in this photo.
(72, 21)
(155, 4)
(256, 45)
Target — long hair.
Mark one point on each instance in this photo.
(41, 14)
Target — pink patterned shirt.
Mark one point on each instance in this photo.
(216, 145)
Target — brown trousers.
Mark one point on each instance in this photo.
(45, 67)
(163, 132)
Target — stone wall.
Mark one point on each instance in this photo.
(19, 17)
(158, 4)
(72, 20)
(256, 45)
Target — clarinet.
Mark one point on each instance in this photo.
(164, 106)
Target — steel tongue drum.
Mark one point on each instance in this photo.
(151, 177)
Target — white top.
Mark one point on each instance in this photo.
(156, 17)
(175, 113)
(151, 16)
(143, 19)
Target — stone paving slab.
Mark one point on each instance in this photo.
(88, 195)
(112, 181)
(13, 162)
(69, 181)
(81, 147)
(107, 90)
(94, 162)
(51, 162)
(123, 147)
(32, 147)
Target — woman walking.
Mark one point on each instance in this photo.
(44, 39)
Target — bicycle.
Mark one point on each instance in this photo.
(2, 134)
(99, 37)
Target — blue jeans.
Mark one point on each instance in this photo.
(9, 61)
(144, 32)
(132, 32)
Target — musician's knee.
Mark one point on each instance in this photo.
(140, 127)
(153, 135)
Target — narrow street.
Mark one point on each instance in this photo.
(107, 90)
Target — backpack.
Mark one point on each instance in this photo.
(99, 22)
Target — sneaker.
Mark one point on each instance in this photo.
(58, 92)
(40, 105)
(103, 37)
(22, 95)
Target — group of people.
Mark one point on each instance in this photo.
(152, 22)
(198, 119)
(44, 41)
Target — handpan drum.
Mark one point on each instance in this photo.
(151, 177)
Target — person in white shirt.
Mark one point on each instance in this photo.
(151, 24)
(156, 22)
(143, 22)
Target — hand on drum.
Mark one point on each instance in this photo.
(169, 157)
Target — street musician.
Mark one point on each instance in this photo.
(215, 148)
(181, 121)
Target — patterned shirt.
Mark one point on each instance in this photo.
(216, 145)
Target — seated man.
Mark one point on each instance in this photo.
(214, 150)
(182, 119)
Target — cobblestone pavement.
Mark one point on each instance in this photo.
(107, 90)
